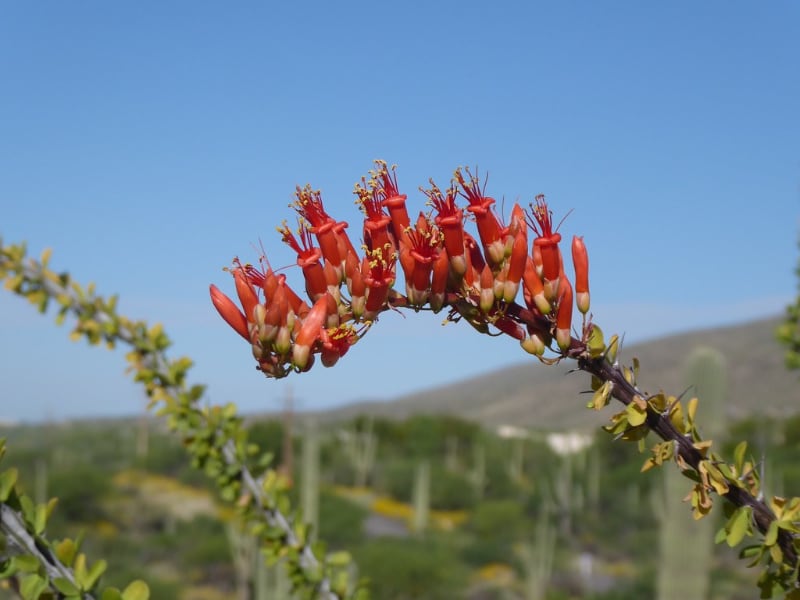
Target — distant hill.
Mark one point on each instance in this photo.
(534, 395)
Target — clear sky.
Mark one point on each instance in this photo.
(149, 143)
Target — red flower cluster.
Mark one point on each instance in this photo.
(442, 265)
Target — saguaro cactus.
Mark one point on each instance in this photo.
(422, 496)
(686, 547)
(360, 448)
(309, 475)
(477, 475)
(537, 557)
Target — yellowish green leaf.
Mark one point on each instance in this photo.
(636, 414)
(136, 590)
(738, 526)
(8, 479)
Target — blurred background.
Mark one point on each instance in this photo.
(148, 145)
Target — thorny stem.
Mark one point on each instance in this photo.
(661, 424)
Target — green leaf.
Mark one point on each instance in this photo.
(26, 563)
(111, 593)
(339, 559)
(7, 480)
(66, 587)
(32, 586)
(40, 519)
(772, 534)
(738, 455)
(28, 509)
(776, 554)
(136, 590)
(94, 574)
(601, 396)
(66, 550)
(7, 569)
(720, 536)
(613, 347)
(595, 343)
(636, 414)
(738, 526)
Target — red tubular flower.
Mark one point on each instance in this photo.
(229, 312)
(442, 264)
(379, 275)
(418, 252)
(536, 255)
(564, 315)
(486, 301)
(475, 262)
(332, 320)
(266, 323)
(391, 198)
(481, 207)
(267, 280)
(346, 247)
(500, 280)
(450, 220)
(580, 260)
(376, 222)
(517, 222)
(355, 286)
(547, 242)
(533, 289)
(336, 342)
(281, 313)
(247, 295)
(309, 206)
(516, 266)
(309, 332)
(441, 272)
(308, 259)
(294, 303)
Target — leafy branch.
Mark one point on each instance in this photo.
(213, 436)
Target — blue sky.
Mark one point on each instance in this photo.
(149, 143)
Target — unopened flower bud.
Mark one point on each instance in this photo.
(580, 260)
(229, 312)
(487, 289)
(533, 344)
(564, 316)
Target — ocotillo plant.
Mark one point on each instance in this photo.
(214, 437)
(444, 267)
(478, 281)
(685, 549)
